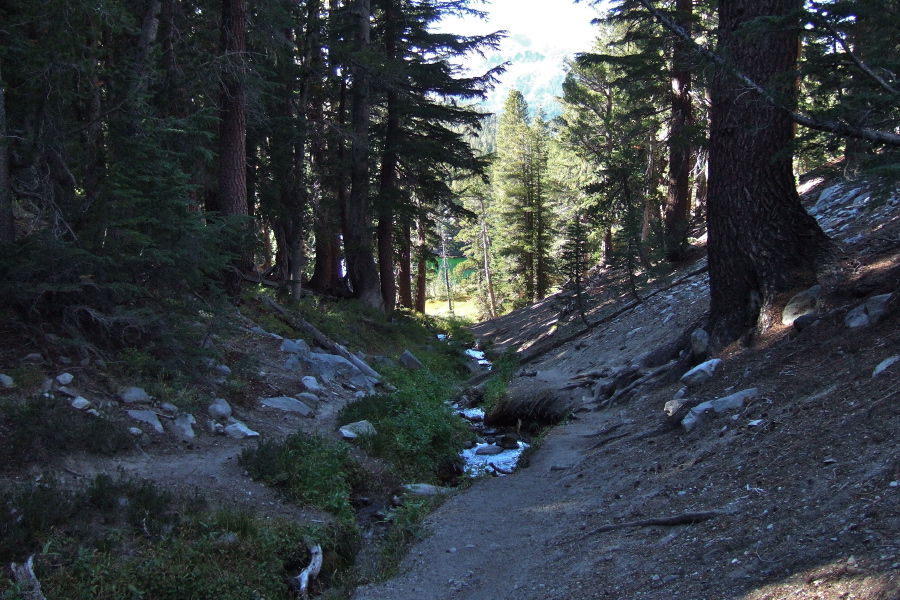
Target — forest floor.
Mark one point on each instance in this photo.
(796, 495)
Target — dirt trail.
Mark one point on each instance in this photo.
(806, 477)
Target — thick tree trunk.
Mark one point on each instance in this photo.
(361, 267)
(761, 239)
(232, 177)
(678, 202)
(404, 270)
(7, 220)
(421, 266)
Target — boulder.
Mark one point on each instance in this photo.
(295, 347)
(351, 431)
(239, 431)
(169, 407)
(701, 373)
(699, 343)
(804, 321)
(508, 442)
(309, 399)
(733, 402)
(183, 423)
(219, 410)
(488, 450)
(869, 312)
(330, 366)
(384, 361)
(135, 395)
(884, 365)
(410, 362)
(65, 378)
(6, 382)
(147, 416)
(802, 304)
(288, 404)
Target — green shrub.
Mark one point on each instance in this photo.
(307, 468)
(502, 372)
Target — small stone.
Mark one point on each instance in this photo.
(680, 394)
(869, 312)
(410, 362)
(671, 407)
(734, 401)
(147, 416)
(65, 378)
(169, 407)
(311, 400)
(34, 357)
(80, 403)
(488, 450)
(219, 410)
(135, 395)
(288, 404)
(7, 382)
(68, 391)
(699, 343)
(135, 431)
(884, 365)
(701, 373)
(311, 384)
(184, 424)
(223, 371)
(239, 431)
(384, 361)
(351, 431)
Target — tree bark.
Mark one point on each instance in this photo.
(678, 202)
(231, 198)
(7, 219)
(761, 239)
(404, 270)
(421, 266)
(361, 267)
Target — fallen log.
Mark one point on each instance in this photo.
(311, 571)
(298, 322)
(27, 581)
(688, 518)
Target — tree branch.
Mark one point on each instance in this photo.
(838, 127)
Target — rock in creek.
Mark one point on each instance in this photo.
(488, 450)
(508, 442)
(424, 489)
(701, 373)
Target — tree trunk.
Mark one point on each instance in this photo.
(486, 253)
(678, 203)
(404, 271)
(761, 239)
(7, 219)
(361, 267)
(232, 177)
(421, 266)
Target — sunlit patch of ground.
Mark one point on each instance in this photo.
(463, 309)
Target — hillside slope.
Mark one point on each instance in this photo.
(796, 493)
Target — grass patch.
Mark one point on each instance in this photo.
(41, 427)
(309, 469)
(503, 370)
(407, 527)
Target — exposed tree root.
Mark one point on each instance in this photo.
(688, 518)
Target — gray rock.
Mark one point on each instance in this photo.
(351, 431)
(288, 404)
(804, 321)
(869, 312)
(884, 365)
(135, 431)
(680, 394)
(508, 442)
(364, 383)
(802, 304)
(239, 431)
(330, 366)
(488, 450)
(222, 371)
(292, 363)
(34, 357)
(672, 406)
(169, 407)
(733, 402)
(309, 399)
(80, 403)
(699, 343)
(7, 382)
(384, 361)
(410, 362)
(701, 373)
(425, 489)
(219, 410)
(147, 416)
(135, 395)
(183, 423)
(311, 384)
(68, 391)
(295, 347)
(65, 378)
